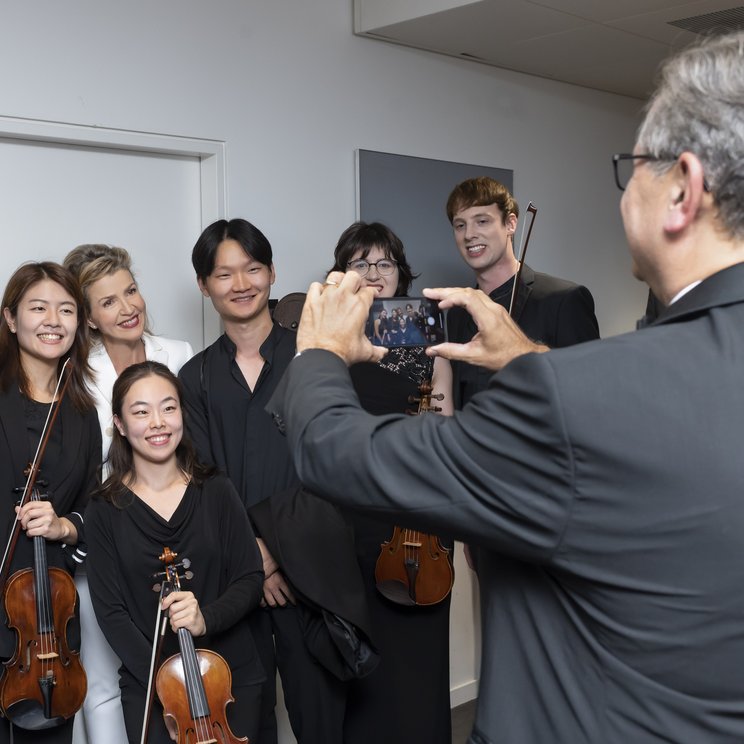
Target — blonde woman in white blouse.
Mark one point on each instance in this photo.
(117, 315)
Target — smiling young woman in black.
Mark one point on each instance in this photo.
(158, 495)
(43, 325)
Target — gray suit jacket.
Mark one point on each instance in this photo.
(605, 484)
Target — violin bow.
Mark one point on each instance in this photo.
(532, 209)
(34, 469)
(161, 623)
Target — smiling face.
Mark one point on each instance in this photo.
(483, 237)
(386, 286)
(239, 286)
(117, 309)
(151, 420)
(45, 322)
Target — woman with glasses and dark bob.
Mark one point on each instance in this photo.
(158, 495)
(407, 698)
(43, 325)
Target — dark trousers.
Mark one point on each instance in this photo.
(57, 735)
(315, 699)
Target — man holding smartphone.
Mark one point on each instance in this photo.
(602, 482)
(550, 311)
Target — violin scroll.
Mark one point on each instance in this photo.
(170, 573)
(424, 399)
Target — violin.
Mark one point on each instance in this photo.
(413, 567)
(194, 686)
(44, 683)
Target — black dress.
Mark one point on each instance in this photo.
(210, 528)
(406, 699)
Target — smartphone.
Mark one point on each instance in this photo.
(405, 321)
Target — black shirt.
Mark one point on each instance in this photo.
(227, 421)
(550, 311)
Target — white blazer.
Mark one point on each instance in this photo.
(174, 354)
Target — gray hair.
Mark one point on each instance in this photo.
(698, 107)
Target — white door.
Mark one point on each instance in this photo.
(56, 195)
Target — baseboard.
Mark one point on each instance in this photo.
(463, 693)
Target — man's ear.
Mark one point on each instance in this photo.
(273, 273)
(686, 192)
(202, 286)
(511, 223)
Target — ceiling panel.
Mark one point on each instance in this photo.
(601, 44)
(601, 11)
(603, 63)
(481, 28)
(655, 24)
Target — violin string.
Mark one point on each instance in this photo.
(188, 673)
(39, 546)
(192, 675)
(196, 686)
(42, 602)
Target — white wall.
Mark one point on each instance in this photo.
(293, 93)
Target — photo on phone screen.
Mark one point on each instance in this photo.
(405, 321)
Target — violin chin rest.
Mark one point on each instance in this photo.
(395, 591)
(29, 715)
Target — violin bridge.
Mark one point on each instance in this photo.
(411, 544)
(46, 657)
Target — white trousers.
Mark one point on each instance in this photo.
(100, 721)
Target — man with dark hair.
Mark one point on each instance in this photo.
(550, 311)
(227, 386)
(603, 482)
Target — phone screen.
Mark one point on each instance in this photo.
(405, 321)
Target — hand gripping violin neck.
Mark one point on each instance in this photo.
(194, 686)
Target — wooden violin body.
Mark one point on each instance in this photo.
(208, 722)
(194, 686)
(413, 567)
(44, 683)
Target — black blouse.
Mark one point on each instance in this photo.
(210, 528)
